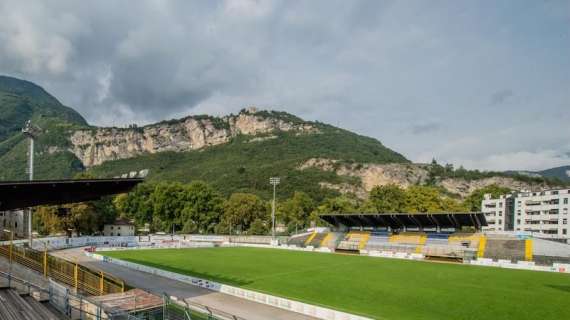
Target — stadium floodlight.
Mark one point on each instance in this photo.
(32, 132)
(273, 181)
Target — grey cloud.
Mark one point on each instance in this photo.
(425, 128)
(500, 97)
(356, 64)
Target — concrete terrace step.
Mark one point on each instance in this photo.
(14, 306)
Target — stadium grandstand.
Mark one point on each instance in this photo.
(435, 235)
(455, 236)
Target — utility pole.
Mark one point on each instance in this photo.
(273, 181)
(31, 132)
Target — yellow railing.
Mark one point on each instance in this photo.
(75, 275)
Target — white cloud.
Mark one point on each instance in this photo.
(444, 80)
(523, 160)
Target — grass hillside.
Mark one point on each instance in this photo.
(245, 166)
(21, 101)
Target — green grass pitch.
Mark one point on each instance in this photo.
(375, 287)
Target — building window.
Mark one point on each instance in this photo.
(518, 221)
(565, 200)
(564, 221)
(563, 231)
(500, 221)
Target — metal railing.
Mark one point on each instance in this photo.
(180, 309)
(81, 278)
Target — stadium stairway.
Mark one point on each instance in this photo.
(547, 252)
(354, 241)
(417, 238)
(14, 306)
(508, 249)
(299, 240)
(327, 240)
(470, 240)
(310, 238)
(316, 240)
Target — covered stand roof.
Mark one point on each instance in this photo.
(409, 220)
(22, 194)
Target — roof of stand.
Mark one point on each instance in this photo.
(23, 194)
(409, 220)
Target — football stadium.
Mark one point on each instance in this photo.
(284, 160)
(356, 266)
(377, 288)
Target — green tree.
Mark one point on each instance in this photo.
(342, 204)
(202, 210)
(388, 198)
(81, 218)
(429, 199)
(295, 212)
(473, 200)
(136, 204)
(168, 201)
(241, 210)
(46, 220)
(258, 227)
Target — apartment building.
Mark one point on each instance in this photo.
(543, 214)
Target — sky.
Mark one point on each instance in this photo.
(483, 84)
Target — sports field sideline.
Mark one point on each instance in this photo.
(375, 287)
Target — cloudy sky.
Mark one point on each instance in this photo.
(484, 84)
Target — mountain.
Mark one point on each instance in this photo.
(21, 101)
(558, 173)
(234, 153)
(562, 173)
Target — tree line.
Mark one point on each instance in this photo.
(199, 208)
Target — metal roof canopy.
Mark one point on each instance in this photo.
(23, 194)
(408, 220)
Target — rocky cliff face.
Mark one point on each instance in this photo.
(404, 175)
(95, 146)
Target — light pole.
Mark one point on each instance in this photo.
(31, 132)
(10, 255)
(273, 181)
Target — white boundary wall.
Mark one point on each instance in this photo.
(64, 242)
(522, 265)
(283, 303)
(194, 241)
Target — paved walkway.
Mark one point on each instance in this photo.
(158, 285)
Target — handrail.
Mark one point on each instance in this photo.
(200, 308)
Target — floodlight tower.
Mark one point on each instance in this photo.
(31, 132)
(273, 181)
